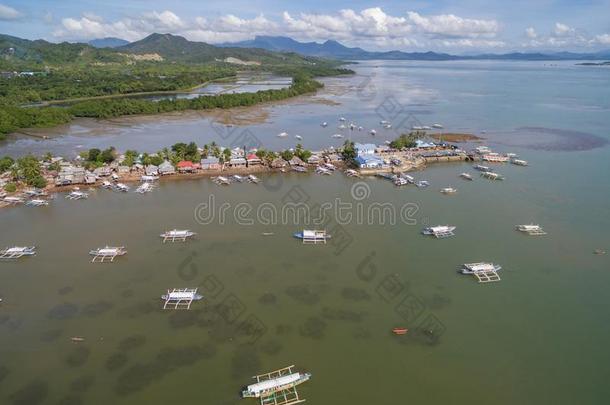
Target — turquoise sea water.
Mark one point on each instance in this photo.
(538, 336)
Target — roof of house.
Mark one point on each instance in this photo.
(369, 159)
(252, 156)
(210, 160)
(184, 164)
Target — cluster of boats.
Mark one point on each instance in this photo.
(403, 179)
(225, 181)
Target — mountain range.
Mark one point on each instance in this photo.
(334, 49)
(109, 42)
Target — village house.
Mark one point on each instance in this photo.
(186, 166)
(314, 160)
(151, 170)
(296, 161)
(278, 163)
(166, 168)
(253, 160)
(237, 162)
(210, 163)
(370, 162)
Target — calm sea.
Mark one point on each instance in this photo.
(538, 336)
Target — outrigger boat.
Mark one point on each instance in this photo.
(145, 188)
(448, 190)
(77, 195)
(180, 298)
(352, 173)
(282, 135)
(399, 181)
(312, 236)
(180, 235)
(423, 184)
(17, 252)
(323, 170)
(531, 229)
(466, 176)
(106, 184)
(495, 157)
(400, 331)
(253, 179)
(519, 162)
(337, 136)
(437, 126)
(37, 203)
(238, 178)
(439, 231)
(121, 187)
(482, 168)
(149, 178)
(221, 181)
(492, 176)
(324, 124)
(277, 387)
(107, 254)
(473, 268)
(13, 200)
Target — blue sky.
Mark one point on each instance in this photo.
(445, 25)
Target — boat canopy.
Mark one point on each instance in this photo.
(273, 384)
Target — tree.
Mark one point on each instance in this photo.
(10, 187)
(226, 155)
(286, 155)
(6, 163)
(93, 154)
(107, 155)
(348, 152)
(130, 157)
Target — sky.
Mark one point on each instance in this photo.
(454, 26)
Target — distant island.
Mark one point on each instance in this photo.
(607, 63)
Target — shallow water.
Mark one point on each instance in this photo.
(538, 336)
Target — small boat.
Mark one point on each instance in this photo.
(77, 339)
(448, 190)
(383, 122)
(17, 252)
(439, 231)
(417, 128)
(312, 236)
(426, 128)
(352, 126)
(400, 331)
(253, 179)
(337, 136)
(77, 195)
(373, 132)
(531, 229)
(422, 184)
(323, 170)
(276, 385)
(221, 181)
(106, 184)
(492, 176)
(238, 178)
(466, 176)
(330, 166)
(360, 128)
(13, 200)
(482, 168)
(408, 178)
(282, 135)
(177, 235)
(342, 119)
(342, 126)
(352, 173)
(121, 187)
(149, 178)
(481, 150)
(145, 188)
(519, 162)
(37, 203)
(495, 157)
(399, 181)
(437, 126)
(298, 137)
(267, 233)
(511, 155)
(299, 169)
(35, 192)
(472, 268)
(324, 124)
(387, 126)
(107, 253)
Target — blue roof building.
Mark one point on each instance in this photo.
(369, 162)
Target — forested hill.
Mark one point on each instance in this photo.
(22, 53)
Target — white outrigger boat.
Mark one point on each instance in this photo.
(466, 176)
(253, 179)
(519, 162)
(439, 231)
(531, 229)
(492, 176)
(238, 178)
(423, 184)
(481, 150)
(35, 192)
(144, 188)
(149, 178)
(277, 387)
(180, 298)
(437, 126)
(323, 170)
(298, 137)
(448, 190)
(177, 235)
(121, 187)
(352, 173)
(312, 236)
(482, 168)
(282, 135)
(483, 272)
(77, 195)
(107, 254)
(373, 132)
(17, 252)
(35, 202)
(324, 124)
(495, 157)
(13, 200)
(399, 181)
(221, 181)
(106, 184)
(337, 136)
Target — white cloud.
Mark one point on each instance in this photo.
(562, 30)
(449, 25)
(8, 13)
(531, 33)
(603, 39)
